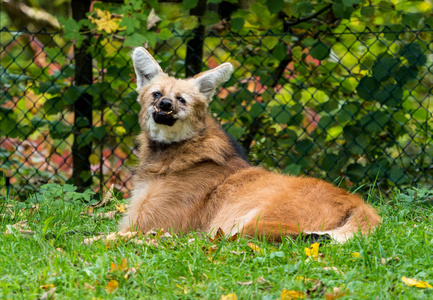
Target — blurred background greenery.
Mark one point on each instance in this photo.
(333, 89)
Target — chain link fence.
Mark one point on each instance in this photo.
(350, 107)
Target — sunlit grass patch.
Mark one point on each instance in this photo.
(43, 252)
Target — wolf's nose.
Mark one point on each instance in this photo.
(166, 105)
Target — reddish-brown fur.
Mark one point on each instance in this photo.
(201, 182)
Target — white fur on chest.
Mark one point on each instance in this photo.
(136, 205)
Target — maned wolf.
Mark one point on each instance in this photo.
(192, 176)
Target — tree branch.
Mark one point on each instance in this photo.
(317, 13)
(25, 16)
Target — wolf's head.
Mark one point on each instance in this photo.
(173, 109)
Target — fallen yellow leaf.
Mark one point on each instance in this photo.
(355, 254)
(46, 286)
(120, 208)
(416, 283)
(122, 266)
(255, 248)
(313, 251)
(184, 289)
(229, 297)
(302, 278)
(289, 295)
(111, 286)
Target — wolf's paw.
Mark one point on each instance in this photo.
(315, 238)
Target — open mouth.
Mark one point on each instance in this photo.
(164, 118)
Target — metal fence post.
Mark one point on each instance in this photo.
(194, 47)
(84, 104)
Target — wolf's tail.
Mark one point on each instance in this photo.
(363, 218)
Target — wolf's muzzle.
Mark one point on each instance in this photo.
(165, 105)
(163, 112)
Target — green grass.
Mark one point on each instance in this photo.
(180, 268)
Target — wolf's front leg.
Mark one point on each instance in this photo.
(135, 218)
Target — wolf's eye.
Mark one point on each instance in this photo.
(156, 95)
(181, 100)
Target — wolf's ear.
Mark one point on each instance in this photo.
(145, 66)
(208, 81)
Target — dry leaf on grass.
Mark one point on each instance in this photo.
(89, 287)
(154, 238)
(318, 289)
(238, 252)
(233, 237)
(218, 237)
(112, 237)
(384, 261)
(335, 269)
(337, 293)
(48, 294)
(107, 215)
(34, 208)
(107, 199)
(245, 283)
(131, 271)
(112, 286)
(122, 266)
(46, 286)
(87, 212)
(121, 208)
(255, 248)
(20, 227)
(9, 210)
(261, 280)
(304, 279)
(147, 242)
(27, 232)
(289, 295)
(416, 283)
(103, 215)
(184, 289)
(229, 297)
(210, 250)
